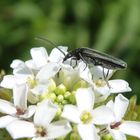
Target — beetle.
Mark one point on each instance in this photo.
(97, 58)
(89, 55)
(92, 56)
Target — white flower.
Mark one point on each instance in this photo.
(35, 73)
(37, 82)
(68, 76)
(43, 76)
(27, 71)
(85, 116)
(41, 127)
(95, 77)
(18, 109)
(40, 57)
(119, 127)
(20, 75)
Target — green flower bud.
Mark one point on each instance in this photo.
(107, 137)
(80, 84)
(60, 98)
(64, 102)
(52, 96)
(52, 85)
(61, 89)
(67, 95)
(72, 98)
(44, 95)
(74, 136)
(58, 113)
(56, 103)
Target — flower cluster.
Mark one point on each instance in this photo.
(53, 99)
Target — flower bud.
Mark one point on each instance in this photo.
(60, 98)
(61, 89)
(64, 102)
(72, 98)
(67, 94)
(52, 96)
(74, 136)
(80, 84)
(52, 85)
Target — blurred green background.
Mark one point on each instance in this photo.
(111, 26)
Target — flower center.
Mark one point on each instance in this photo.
(86, 117)
(100, 83)
(31, 82)
(40, 131)
(115, 125)
(19, 111)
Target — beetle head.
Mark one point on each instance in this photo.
(69, 55)
(72, 54)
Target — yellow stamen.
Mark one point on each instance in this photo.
(31, 82)
(100, 83)
(86, 117)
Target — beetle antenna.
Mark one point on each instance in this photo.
(50, 42)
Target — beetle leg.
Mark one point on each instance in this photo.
(75, 63)
(71, 61)
(83, 60)
(107, 74)
(106, 79)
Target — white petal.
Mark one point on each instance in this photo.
(31, 64)
(8, 81)
(49, 70)
(23, 71)
(63, 48)
(85, 74)
(45, 112)
(32, 98)
(7, 107)
(20, 96)
(118, 86)
(85, 98)
(97, 72)
(20, 79)
(56, 55)
(63, 127)
(130, 128)
(40, 138)
(29, 112)
(103, 115)
(110, 104)
(100, 98)
(16, 63)
(102, 90)
(40, 56)
(120, 106)
(21, 129)
(117, 135)
(40, 88)
(87, 132)
(66, 67)
(5, 120)
(71, 113)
